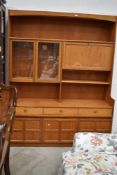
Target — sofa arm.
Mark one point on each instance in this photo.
(91, 142)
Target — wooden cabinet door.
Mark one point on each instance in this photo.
(100, 56)
(48, 62)
(18, 130)
(59, 130)
(88, 56)
(22, 60)
(103, 125)
(86, 125)
(94, 125)
(27, 130)
(33, 130)
(68, 128)
(51, 130)
(75, 55)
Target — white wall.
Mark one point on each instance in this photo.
(106, 7)
(83, 6)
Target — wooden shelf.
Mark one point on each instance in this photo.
(85, 82)
(36, 102)
(86, 68)
(61, 40)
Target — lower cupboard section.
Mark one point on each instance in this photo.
(55, 130)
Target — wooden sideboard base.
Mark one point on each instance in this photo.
(41, 145)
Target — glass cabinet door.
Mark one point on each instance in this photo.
(48, 58)
(22, 59)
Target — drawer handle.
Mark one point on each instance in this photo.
(60, 110)
(95, 112)
(25, 110)
(48, 124)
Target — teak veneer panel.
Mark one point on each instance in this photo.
(24, 111)
(50, 28)
(94, 125)
(60, 111)
(79, 100)
(95, 112)
(32, 102)
(63, 14)
(88, 56)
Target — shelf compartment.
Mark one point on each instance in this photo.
(83, 91)
(86, 77)
(65, 103)
(38, 90)
(49, 27)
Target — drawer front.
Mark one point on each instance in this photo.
(95, 112)
(60, 111)
(25, 111)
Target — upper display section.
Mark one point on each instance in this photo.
(62, 55)
(52, 26)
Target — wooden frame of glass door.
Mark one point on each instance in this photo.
(32, 67)
(37, 79)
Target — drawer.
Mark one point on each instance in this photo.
(26, 111)
(95, 112)
(60, 111)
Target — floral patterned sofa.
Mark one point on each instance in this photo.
(91, 154)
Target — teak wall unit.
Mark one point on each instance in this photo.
(62, 65)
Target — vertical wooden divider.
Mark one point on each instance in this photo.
(60, 71)
(10, 60)
(35, 71)
(60, 92)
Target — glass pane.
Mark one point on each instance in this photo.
(48, 61)
(22, 54)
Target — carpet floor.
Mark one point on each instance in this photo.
(36, 160)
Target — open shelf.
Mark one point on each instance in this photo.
(32, 102)
(86, 77)
(37, 90)
(61, 40)
(49, 27)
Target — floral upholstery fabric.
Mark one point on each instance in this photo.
(92, 142)
(92, 154)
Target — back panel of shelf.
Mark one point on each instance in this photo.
(38, 90)
(61, 28)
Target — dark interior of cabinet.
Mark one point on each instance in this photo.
(61, 28)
